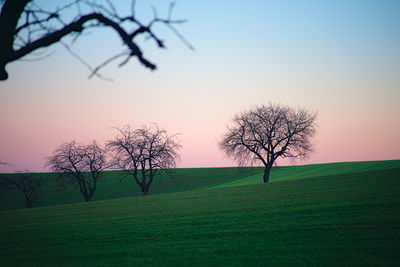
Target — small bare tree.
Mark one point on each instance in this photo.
(147, 151)
(78, 164)
(267, 132)
(25, 182)
(27, 27)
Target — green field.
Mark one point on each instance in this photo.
(114, 185)
(315, 170)
(326, 214)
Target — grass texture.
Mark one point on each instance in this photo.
(114, 185)
(342, 219)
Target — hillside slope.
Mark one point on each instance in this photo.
(347, 219)
(315, 170)
(114, 186)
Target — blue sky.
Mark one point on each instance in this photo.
(340, 58)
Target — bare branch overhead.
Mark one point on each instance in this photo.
(26, 27)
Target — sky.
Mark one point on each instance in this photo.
(338, 58)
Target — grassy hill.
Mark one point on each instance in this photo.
(315, 170)
(342, 219)
(114, 186)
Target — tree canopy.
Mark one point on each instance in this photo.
(80, 165)
(145, 151)
(267, 132)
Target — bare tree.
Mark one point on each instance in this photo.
(25, 182)
(80, 165)
(145, 151)
(267, 132)
(26, 28)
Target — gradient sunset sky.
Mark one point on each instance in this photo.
(339, 58)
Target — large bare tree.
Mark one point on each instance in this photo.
(80, 165)
(142, 153)
(26, 28)
(25, 182)
(267, 132)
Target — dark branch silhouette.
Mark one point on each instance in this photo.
(265, 133)
(147, 151)
(26, 28)
(24, 182)
(80, 165)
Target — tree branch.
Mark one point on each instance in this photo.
(78, 27)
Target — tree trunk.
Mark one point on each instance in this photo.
(145, 190)
(143, 183)
(87, 196)
(27, 200)
(266, 173)
(28, 203)
(147, 186)
(9, 16)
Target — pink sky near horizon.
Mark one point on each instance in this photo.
(347, 70)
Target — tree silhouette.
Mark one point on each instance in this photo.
(25, 182)
(147, 150)
(266, 133)
(80, 165)
(26, 27)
